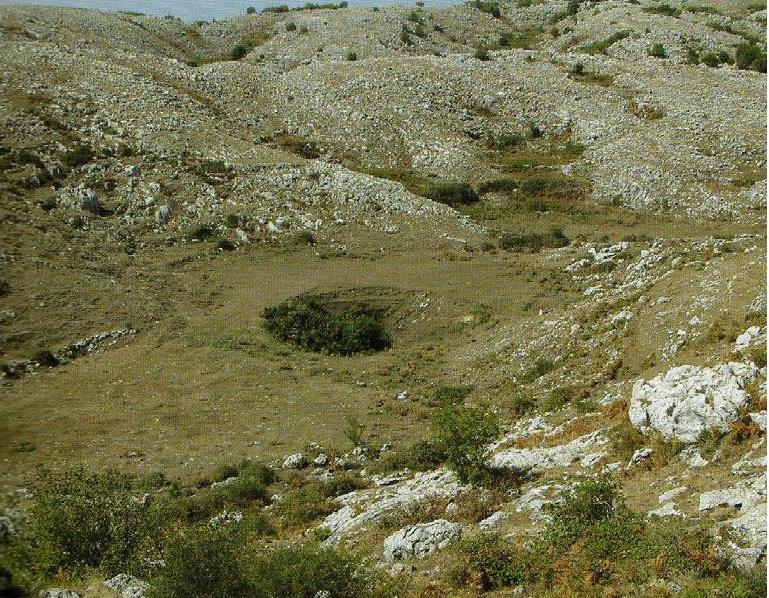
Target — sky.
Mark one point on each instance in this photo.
(204, 10)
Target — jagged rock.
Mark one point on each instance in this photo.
(224, 483)
(746, 338)
(640, 455)
(225, 517)
(666, 510)
(295, 461)
(671, 494)
(536, 498)
(692, 457)
(127, 586)
(420, 540)
(58, 593)
(7, 529)
(687, 400)
(760, 419)
(744, 494)
(536, 459)
(751, 526)
(163, 214)
(364, 506)
(493, 520)
(321, 460)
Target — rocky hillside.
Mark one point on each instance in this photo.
(384, 301)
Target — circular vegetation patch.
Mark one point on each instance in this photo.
(341, 329)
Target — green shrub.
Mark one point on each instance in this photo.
(423, 455)
(303, 506)
(81, 520)
(309, 324)
(559, 397)
(308, 571)
(662, 9)
(482, 54)
(590, 502)
(462, 434)
(451, 395)
(657, 50)
(203, 562)
(79, 155)
(200, 232)
(342, 484)
(490, 562)
(225, 244)
(290, 26)
(710, 59)
(352, 56)
(278, 9)
(540, 368)
(250, 10)
(45, 358)
(600, 46)
(505, 141)
(750, 57)
(533, 241)
(486, 6)
(354, 430)
(239, 51)
(452, 193)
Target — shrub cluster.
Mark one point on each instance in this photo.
(308, 323)
(452, 193)
(533, 241)
(593, 545)
(462, 433)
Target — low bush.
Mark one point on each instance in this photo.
(201, 232)
(540, 368)
(451, 395)
(309, 324)
(423, 455)
(343, 483)
(203, 561)
(462, 433)
(45, 358)
(490, 562)
(657, 50)
(302, 506)
(352, 56)
(290, 26)
(486, 6)
(600, 46)
(452, 193)
(80, 520)
(308, 571)
(662, 9)
(750, 57)
(533, 241)
(593, 545)
(481, 54)
(78, 156)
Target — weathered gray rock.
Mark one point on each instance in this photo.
(7, 529)
(58, 593)
(493, 520)
(532, 460)
(163, 214)
(127, 586)
(295, 461)
(364, 506)
(744, 494)
(687, 400)
(420, 540)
